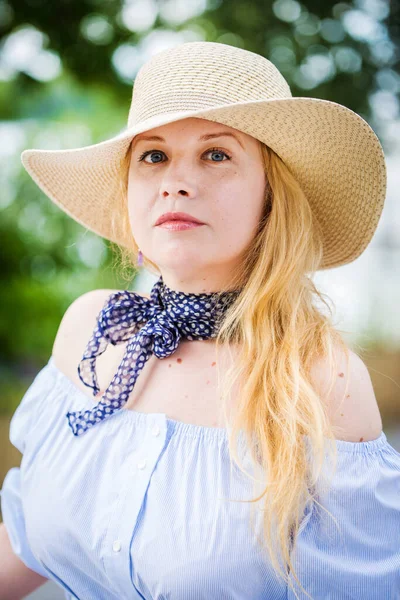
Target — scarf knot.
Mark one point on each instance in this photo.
(164, 335)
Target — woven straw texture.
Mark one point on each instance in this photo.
(334, 154)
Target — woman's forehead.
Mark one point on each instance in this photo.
(196, 129)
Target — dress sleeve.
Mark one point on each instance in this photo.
(13, 518)
(30, 406)
(11, 494)
(362, 559)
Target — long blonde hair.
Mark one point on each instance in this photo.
(281, 332)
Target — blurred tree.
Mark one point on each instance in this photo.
(333, 48)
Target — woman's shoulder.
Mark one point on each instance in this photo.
(75, 330)
(352, 405)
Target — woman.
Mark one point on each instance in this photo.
(194, 481)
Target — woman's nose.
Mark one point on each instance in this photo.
(169, 191)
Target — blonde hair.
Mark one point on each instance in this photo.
(281, 333)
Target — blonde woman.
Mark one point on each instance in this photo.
(217, 438)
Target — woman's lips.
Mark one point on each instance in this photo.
(179, 225)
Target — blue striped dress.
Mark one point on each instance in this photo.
(138, 508)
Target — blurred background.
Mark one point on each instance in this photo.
(66, 73)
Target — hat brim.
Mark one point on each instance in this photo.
(331, 150)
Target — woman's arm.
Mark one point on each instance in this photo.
(16, 579)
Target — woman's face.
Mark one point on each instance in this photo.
(222, 187)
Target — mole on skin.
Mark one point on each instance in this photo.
(179, 360)
(347, 396)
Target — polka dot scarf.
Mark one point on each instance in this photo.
(151, 326)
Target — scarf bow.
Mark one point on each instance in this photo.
(152, 325)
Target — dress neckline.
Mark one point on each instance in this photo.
(198, 431)
(146, 418)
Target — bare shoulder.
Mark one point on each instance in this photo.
(75, 329)
(354, 412)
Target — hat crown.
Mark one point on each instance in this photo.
(200, 75)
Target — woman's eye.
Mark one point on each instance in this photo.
(218, 151)
(148, 153)
(214, 151)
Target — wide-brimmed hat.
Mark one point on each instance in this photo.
(332, 151)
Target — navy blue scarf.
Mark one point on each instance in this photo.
(151, 326)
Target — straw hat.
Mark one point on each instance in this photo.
(334, 154)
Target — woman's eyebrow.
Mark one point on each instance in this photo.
(202, 138)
